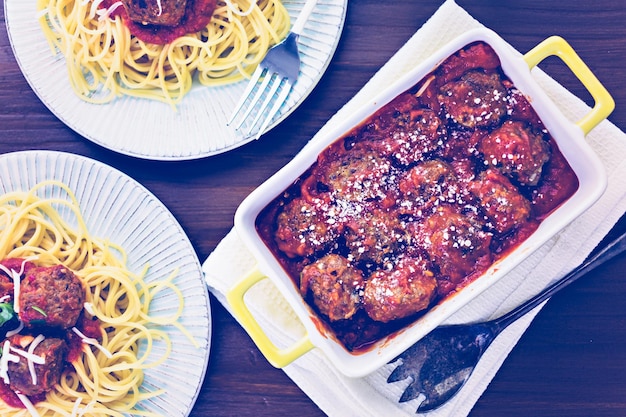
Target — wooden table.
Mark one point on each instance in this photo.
(571, 361)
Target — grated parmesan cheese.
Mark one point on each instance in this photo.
(236, 10)
(39, 360)
(7, 357)
(31, 350)
(93, 342)
(106, 13)
(89, 309)
(16, 277)
(15, 331)
(28, 404)
(77, 412)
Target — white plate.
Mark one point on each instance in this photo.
(119, 209)
(150, 129)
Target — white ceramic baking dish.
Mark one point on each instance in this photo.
(568, 135)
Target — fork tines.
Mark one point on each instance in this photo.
(264, 96)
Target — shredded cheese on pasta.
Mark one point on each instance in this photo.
(93, 342)
(107, 378)
(28, 404)
(105, 61)
(7, 357)
(31, 363)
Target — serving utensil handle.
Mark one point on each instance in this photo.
(279, 358)
(557, 46)
(611, 250)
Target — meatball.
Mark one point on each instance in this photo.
(51, 296)
(413, 134)
(516, 151)
(374, 235)
(502, 203)
(455, 242)
(52, 350)
(476, 100)
(359, 176)
(304, 228)
(429, 184)
(335, 286)
(162, 12)
(406, 288)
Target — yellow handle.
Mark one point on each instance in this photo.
(277, 357)
(557, 46)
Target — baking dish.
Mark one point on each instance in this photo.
(567, 134)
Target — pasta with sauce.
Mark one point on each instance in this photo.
(105, 374)
(104, 60)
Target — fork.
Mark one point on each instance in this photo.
(279, 70)
(440, 363)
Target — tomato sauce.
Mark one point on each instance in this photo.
(198, 14)
(90, 327)
(457, 172)
(10, 398)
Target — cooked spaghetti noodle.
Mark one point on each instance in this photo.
(106, 376)
(105, 61)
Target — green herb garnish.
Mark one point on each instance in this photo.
(6, 313)
(39, 310)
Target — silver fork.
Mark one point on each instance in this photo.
(440, 363)
(279, 70)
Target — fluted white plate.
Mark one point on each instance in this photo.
(153, 130)
(118, 208)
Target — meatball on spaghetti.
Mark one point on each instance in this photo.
(51, 296)
(47, 373)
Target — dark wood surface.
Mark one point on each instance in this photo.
(571, 361)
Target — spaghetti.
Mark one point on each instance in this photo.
(105, 61)
(105, 374)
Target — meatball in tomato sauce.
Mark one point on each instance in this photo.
(358, 177)
(517, 151)
(335, 286)
(405, 287)
(413, 133)
(455, 242)
(429, 184)
(477, 100)
(374, 235)
(52, 350)
(51, 296)
(502, 203)
(304, 228)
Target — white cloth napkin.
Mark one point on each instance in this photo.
(340, 396)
